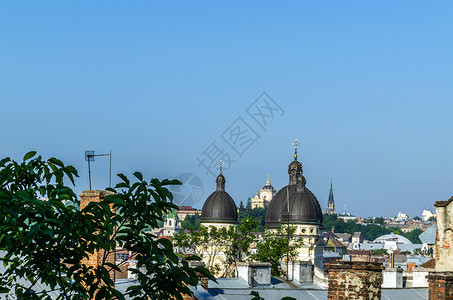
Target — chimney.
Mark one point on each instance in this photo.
(354, 280)
(95, 259)
(302, 271)
(440, 282)
(392, 278)
(255, 273)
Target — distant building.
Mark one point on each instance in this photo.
(357, 237)
(265, 196)
(347, 216)
(169, 227)
(427, 214)
(330, 202)
(402, 216)
(185, 211)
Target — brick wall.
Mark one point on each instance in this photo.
(96, 258)
(440, 285)
(355, 280)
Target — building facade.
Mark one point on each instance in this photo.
(297, 206)
(219, 211)
(264, 197)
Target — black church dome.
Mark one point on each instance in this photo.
(303, 206)
(219, 207)
(296, 198)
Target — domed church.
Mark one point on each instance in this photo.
(219, 209)
(297, 206)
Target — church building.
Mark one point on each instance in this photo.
(297, 206)
(330, 203)
(265, 196)
(219, 211)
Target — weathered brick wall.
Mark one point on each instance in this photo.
(355, 280)
(440, 285)
(96, 258)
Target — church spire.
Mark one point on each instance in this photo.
(330, 202)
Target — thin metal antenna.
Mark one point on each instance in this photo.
(89, 157)
(287, 233)
(110, 177)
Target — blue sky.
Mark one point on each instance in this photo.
(365, 86)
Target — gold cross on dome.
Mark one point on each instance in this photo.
(220, 165)
(296, 143)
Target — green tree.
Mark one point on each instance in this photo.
(248, 207)
(46, 240)
(191, 222)
(379, 252)
(276, 245)
(256, 213)
(413, 236)
(241, 206)
(379, 220)
(417, 218)
(432, 219)
(210, 242)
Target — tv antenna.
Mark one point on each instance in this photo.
(89, 157)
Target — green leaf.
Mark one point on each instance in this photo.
(101, 294)
(139, 176)
(56, 161)
(29, 155)
(113, 266)
(124, 178)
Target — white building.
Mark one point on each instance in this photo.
(265, 196)
(402, 216)
(427, 214)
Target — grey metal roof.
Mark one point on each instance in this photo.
(237, 289)
(39, 286)
(303, 207)
(219, 206)
(429, 235)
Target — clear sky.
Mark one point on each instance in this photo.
(366, 87)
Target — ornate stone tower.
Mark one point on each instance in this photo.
(296, 206)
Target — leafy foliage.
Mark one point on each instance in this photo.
(379, 252)
(276, 245)
(191, 222)
(257, 213)
(47, 240)
(210, 242)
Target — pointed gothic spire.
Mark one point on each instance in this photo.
(330, 203)
(330, 194)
